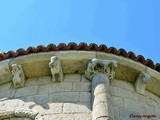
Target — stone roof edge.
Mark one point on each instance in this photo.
(81, 46)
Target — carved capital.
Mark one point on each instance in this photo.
(101, 66)
(18, 76)
(141, 81)
(56, 69)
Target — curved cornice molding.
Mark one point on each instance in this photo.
(81, 46)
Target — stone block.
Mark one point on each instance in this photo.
(83, 116)
(38, 81)
(59, 117)
(5, 73)
(81, 86)
(84, 79)
(5, 94)
(122, 84)
(136, 106)
(116, 91)
(6, 86)
(38, 99)
(50, 108)
(152, 96)
(64, 97)
(31, 90)
(11, 104)
(146, 100)
(85, 97)
(125, 114)
(70, 108)
(117, 101)
(55, 87)
(72, 78)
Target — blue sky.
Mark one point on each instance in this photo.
(130, 24)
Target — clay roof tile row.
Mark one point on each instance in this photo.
(81, 46)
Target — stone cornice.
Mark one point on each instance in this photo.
(37, 64)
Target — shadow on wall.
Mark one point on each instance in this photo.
(41, 96)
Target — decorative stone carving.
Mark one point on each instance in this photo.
(20, 113)
(18, 76)
(101, 66)
(56, 69)
(25, 113)
(141, 82)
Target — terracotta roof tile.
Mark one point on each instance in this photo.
(81, 46)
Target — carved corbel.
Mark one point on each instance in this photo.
(18, 76)
(141, 81)
(56, 69)
(101, 66)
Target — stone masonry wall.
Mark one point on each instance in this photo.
(127, 103)
(67, 100)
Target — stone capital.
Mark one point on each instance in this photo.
(141, 81)
(105, 67)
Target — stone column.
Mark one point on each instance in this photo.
(100, 72)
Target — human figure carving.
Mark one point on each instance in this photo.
(56, 69)
(18, 76)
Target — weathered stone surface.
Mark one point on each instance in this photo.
(122, 84)
(5, 94)
(70, 108)
(38, 99)
(84, 79)
(127, 69)
(5, 86)
(85, 97)
(26, 91)
(136, 106)
(59, 117)
(124, 114)
(38, 81)
(100, 66)
(101, 109)
(116, 91)
(56, 69)
(11, 104)
(141, 81)
(5, 73)
(152, 96)
(55, 87)
(50, 108)
(81, 86)
(72, 78)
(117, 101)
(101, 98)
(64, 97)
(146, 100)
(83, 117)
(18, 76)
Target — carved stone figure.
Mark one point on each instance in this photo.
(56, 69)
(141, 82)
(20, 113)
(18, 76)
(101, 66)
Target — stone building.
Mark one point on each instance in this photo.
(78, 82)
